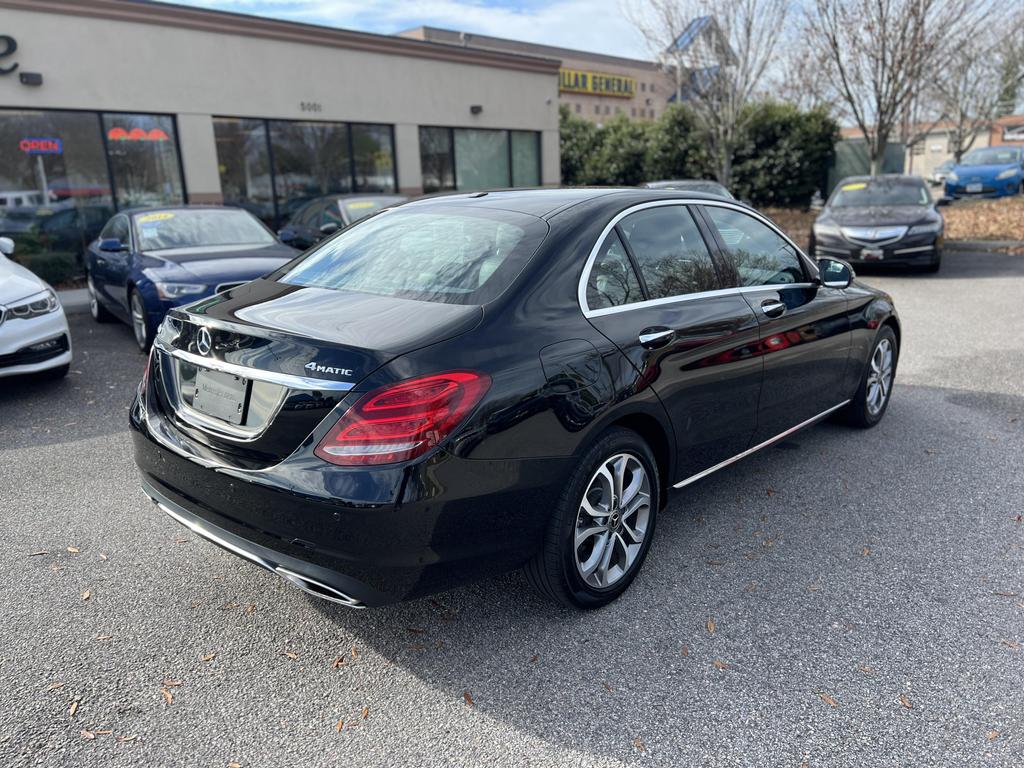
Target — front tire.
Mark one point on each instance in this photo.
(140, 320)
(99, 313)
(870, 403)
(602, 526)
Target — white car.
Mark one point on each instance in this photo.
(34, 334)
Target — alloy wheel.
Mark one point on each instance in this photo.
(879, 382)
(612, 521)
(94, 303)
(139, 320)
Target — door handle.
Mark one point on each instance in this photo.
(773, 308)
(653, 338)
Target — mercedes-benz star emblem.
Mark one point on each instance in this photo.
(204, 343)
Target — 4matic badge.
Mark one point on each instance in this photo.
(317, 368)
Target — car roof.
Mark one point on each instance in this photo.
(546, 202)
(153, 208)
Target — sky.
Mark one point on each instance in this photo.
(590, 25)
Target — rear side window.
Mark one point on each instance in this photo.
(670, 253)
(755, 253)
(449, 254)
(612, 281)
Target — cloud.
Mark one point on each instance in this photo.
(589, 25)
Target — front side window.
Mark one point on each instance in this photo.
(184, 228)
(612, 281)
(670, 252)
(755, 253)
(117, 228)
(448, 254)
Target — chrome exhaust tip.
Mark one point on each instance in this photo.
(317, 589)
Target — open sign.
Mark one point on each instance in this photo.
(41, 146)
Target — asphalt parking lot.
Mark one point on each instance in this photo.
(845, 598)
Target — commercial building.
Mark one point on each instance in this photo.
(593, 85)
(117, 103)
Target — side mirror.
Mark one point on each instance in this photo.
(835, 273)
(329, 228)
(112, 245)
(6, 246)
(286, 235)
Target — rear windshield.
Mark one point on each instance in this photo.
(881, 192)
(448, 254)
(184, 228)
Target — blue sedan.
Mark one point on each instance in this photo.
(147, 261)
(987, 172)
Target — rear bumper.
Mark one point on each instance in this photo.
(371, 537)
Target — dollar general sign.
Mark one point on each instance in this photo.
(596, 83)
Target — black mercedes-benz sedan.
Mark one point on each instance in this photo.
(474, 383)
(880, 220)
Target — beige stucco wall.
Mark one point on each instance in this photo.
(98, 64)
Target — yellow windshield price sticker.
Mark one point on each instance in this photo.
(854, 187)
(360, 204)
(155, 217)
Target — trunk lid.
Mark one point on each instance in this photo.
(285, 355)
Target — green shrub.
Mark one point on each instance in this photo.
(53, 267)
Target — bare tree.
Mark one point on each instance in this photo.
(719, 54)
(881, 52)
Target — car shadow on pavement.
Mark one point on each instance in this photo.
(955, 264)
(773, 587)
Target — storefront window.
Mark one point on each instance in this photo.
(481, 159)
(243, 159)
(436, 160)
(525, 159)
(143, 153)
(374, 158)
(54, 188)
(472, 159)
(310, 160)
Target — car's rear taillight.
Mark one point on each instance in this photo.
(402, 421)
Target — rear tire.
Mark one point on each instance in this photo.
(99, 313)
(602, 526)
(870, 403)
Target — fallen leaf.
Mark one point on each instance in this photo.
(87, 594)
(439, 644)
(168, 696)
(638, 744)
(74, 550)
(828, 699)
(867, 670)
(208, 657)
(930, 451)
(711, 626)
(1005, 594)
(771, 491)
(468, 698)
(124, 739)
(73, 708)
(992, 735)
(104, 637)
(607, 687)
(866, 551)
(172, 683)
(905, 701)
(250, 608)
(55, 685)
(88, 734)
(750, 587)
(40, 552)
(417, 647)
(366, 712)
(768, 543)
(719, 664)
(686, 650)
(104, 732)
(416, 631)
(1011, 644)
(355, 653)
(291, 655)
(534, 658)
(103, 556)
(338, 662)
(339, 726)
(714, 562)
